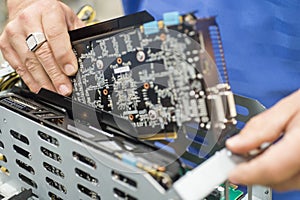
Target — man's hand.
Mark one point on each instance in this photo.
(51, 64)
(279, 166)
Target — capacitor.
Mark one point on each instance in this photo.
(140, 56)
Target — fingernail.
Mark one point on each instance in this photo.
(233, 141)
(69, 69)
(64, 90)
(233, 179)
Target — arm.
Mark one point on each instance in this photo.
(51, 64)
(278, 166)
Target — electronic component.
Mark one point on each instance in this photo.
(71, 159)
(159, 76)
(63, 148)
(161, 165)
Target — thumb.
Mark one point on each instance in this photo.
(267, 126)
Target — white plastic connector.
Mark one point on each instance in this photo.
(7, 190)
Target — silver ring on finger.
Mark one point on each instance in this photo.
(35, 41)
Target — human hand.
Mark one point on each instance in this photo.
(279, 166)
(51, 64)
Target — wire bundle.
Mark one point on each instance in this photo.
(9, 80)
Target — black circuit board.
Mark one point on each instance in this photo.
(156, 78)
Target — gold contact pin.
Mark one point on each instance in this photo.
(4, 170)
(160, 24)
(142, 29)
(3, 158)
(160, 136)
(180, 19)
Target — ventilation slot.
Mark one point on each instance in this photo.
(84, 159)
(54, 196)
(48, 138)
(123, 179)
(25, 166)
(122, 195)
(27, 180)
(88, 192)
(22, 151)
(53, 170)
(19, 137)
(4, 170)
(1, 145)
(56, 185)
(86, 176)
(51, 154)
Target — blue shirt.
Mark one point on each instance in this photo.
(261, 40)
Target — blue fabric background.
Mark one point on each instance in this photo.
(261, 41)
